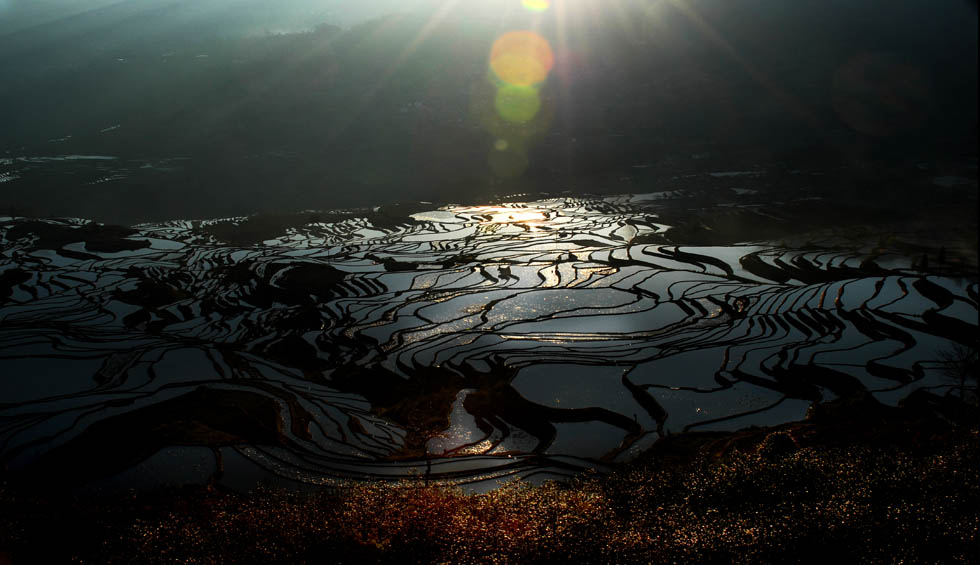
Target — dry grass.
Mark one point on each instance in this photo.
(766, 500)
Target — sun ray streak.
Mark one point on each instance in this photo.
(783, 97)
(368, 96)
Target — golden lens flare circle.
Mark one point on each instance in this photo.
(521, 58)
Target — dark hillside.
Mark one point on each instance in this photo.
(401, 107)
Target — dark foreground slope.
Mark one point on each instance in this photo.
(903, 487)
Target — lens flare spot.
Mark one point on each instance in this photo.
(517, 104)
(519, 70)
(521, 58)
(501, 145)
(508, 164)
(536, 5)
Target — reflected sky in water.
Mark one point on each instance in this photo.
(474, 343)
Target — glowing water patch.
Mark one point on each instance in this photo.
(493, 215)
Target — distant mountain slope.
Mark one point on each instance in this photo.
(403, 103)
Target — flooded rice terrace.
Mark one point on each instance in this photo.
(465, 345)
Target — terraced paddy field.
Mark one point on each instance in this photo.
(469, 347)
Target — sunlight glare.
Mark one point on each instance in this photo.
(536, 5)
(501, 215)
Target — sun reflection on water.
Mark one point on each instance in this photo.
(495, 215)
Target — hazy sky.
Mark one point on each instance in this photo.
(19, 14)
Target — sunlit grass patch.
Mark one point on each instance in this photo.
(758, 500)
